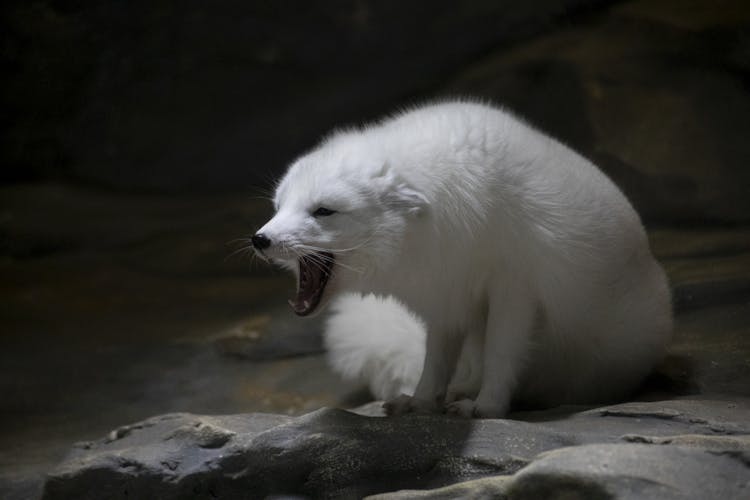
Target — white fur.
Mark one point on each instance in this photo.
(375, 340)
(531, 271)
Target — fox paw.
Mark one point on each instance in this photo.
(459, 392)
(461, 408)
(468, 408)
(408, 404)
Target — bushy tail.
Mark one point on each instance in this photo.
(376, 341)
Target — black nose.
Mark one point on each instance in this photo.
(260, 241)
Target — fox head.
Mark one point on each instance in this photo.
(339, 218)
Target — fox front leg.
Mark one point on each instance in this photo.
(467, 378)
(440, 361)
(506, 347)
(507, 340)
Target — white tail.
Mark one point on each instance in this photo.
(376, 341)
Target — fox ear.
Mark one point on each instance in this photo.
(397, 193)
(404, 197)
(379, 170)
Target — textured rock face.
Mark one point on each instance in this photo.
(605, 471)
(672, 449)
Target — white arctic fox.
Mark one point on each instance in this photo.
(529, 268)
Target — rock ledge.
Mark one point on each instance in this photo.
(670, 449)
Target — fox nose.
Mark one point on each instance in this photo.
(260, 241)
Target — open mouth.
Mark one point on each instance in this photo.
(314, 272)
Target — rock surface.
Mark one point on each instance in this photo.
(605, 471)
(668, 449)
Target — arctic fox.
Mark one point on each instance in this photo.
(529, 269)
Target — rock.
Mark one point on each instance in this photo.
(631, 450)
(634, 471)
(709, 267)
(606, 471)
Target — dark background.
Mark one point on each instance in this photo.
(138, 140)
(189, 96)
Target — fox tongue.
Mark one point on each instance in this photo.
(313, 276)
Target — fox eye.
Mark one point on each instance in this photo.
(323, 212)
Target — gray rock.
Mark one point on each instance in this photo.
(627, 451)
(606, 471)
